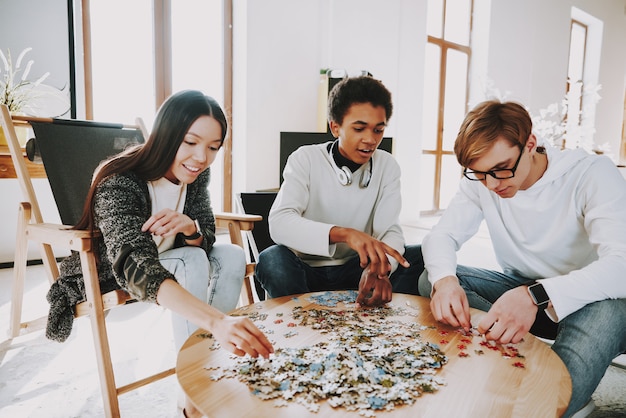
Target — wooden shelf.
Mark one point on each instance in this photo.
(7, 170)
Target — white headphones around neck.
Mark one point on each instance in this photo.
(344, 175)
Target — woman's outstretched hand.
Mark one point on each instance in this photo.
(236, 334)
(240, 336)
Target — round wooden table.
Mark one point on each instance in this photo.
(479, 380)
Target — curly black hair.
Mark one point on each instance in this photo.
(361, 89)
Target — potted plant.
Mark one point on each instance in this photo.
(25, 97)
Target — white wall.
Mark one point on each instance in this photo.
(42, 25)
(528, 50)
(287, 42)
(612, 72)
(19, 20)
(528, 55)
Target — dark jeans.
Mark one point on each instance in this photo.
(282, 273)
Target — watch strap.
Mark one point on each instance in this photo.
(195, 235)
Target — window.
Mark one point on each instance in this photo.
(445, 99)
(122, 63)
(155, 48)
(575, 75)
(582, 80)
(198, 63)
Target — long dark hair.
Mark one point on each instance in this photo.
(151, 160)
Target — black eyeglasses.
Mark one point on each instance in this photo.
(500, 174)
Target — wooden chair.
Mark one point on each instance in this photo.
(31, 227)
(259, 238)
(237, 225)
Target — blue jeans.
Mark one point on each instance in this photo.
(216, 280)
(586, 340)
(282, 273)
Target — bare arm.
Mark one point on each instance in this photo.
(372, 252)
(236, 334)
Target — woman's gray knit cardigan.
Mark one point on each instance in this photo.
(127, 258)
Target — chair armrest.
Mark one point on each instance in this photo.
(245, 221)
(60, 236)
(109, 300)
(237, 216)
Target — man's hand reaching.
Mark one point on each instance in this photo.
(373, 290)
(372, 252)
(449, 303)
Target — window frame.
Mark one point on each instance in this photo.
(162, 35)
(439, 152)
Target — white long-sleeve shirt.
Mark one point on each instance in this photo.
(311, 201)
(568, 229)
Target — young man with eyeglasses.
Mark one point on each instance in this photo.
(557, 221)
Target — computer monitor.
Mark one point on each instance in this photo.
(291, 141)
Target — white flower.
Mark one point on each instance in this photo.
(565, 127)
(21, 95)
(558, 124)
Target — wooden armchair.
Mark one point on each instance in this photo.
(98, 141)
(237, 224)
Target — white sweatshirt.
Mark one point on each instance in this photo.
(311, 201)
(568, 229)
